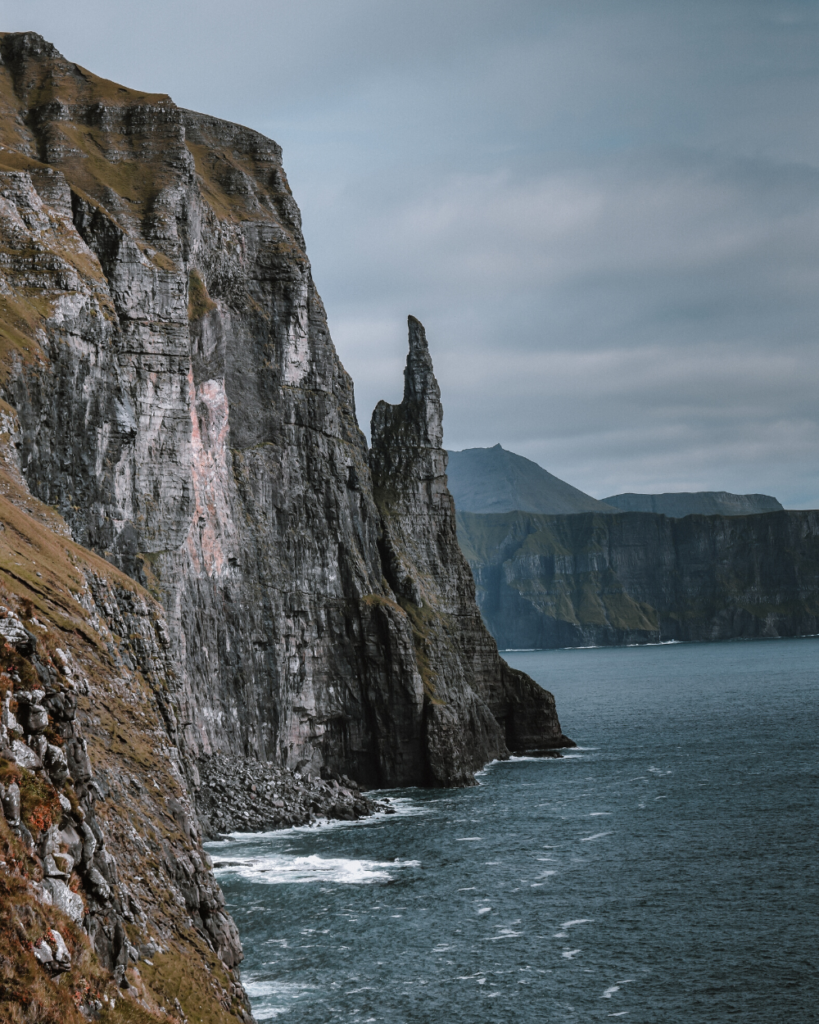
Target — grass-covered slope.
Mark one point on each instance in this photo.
(560, 581)
(695, 503)
(103, 811)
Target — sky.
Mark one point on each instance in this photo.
(606, 214)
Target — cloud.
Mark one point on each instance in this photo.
(605, 212)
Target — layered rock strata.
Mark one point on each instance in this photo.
(474, 702)
(172, 401)
(182, 405)
(639, 577)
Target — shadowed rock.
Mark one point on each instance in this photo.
(476, 706)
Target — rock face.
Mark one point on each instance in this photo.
(494, 480)
(172, 401)
(99, 844)
(474, 703)
(701, 503)
(182, 405)
(572, 581)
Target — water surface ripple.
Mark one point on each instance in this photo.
(665, 871)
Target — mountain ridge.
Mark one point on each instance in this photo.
(702, 503)
(488, 480)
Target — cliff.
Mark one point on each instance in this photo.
(474, 702)
(495, 480)
(569, 581)
(176, 407)
(699, 503)
(108, 904)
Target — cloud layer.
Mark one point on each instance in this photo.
(605, 213)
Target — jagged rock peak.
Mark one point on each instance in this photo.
(421, 388)
(28, 44)
(418, 420)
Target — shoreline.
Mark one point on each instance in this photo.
(238, 794)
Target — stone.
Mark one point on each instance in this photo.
(56, 764)
(11, 803)
(43, 954)
(9, 718)
(15, 633)
(25, 756)
(70, 903)
(33, 718)
(62, 957)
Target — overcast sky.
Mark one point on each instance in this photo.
(605, 213)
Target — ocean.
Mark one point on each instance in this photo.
(664, 871)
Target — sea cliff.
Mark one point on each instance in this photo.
(248, 584)
(639, 577)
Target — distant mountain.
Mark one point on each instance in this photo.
(687, 503)
(495, 480)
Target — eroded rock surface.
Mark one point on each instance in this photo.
(475, 703)
(100, 849)
(172, 401)
(181, 403)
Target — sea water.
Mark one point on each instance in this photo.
(665, 871)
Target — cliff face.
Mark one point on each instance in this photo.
(182, 405)
(172, 402)
(104, 885)
(568, 581)
(474, 702)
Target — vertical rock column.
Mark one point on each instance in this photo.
(476, 707)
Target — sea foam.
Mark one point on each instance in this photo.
(279, 869)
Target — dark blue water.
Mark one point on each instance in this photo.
(665, 872)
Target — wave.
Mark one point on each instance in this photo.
(271, 999)
(278, 869)
(606, 647)
(564, 928)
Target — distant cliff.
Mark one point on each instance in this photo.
(701, 503)
(637, 577)
(495, 480)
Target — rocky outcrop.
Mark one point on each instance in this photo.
(476, 707)
(574, 581)
(182, 405)
(246, 795)
(104, 884)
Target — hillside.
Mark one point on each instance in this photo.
(495, 480)
(701, 503)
